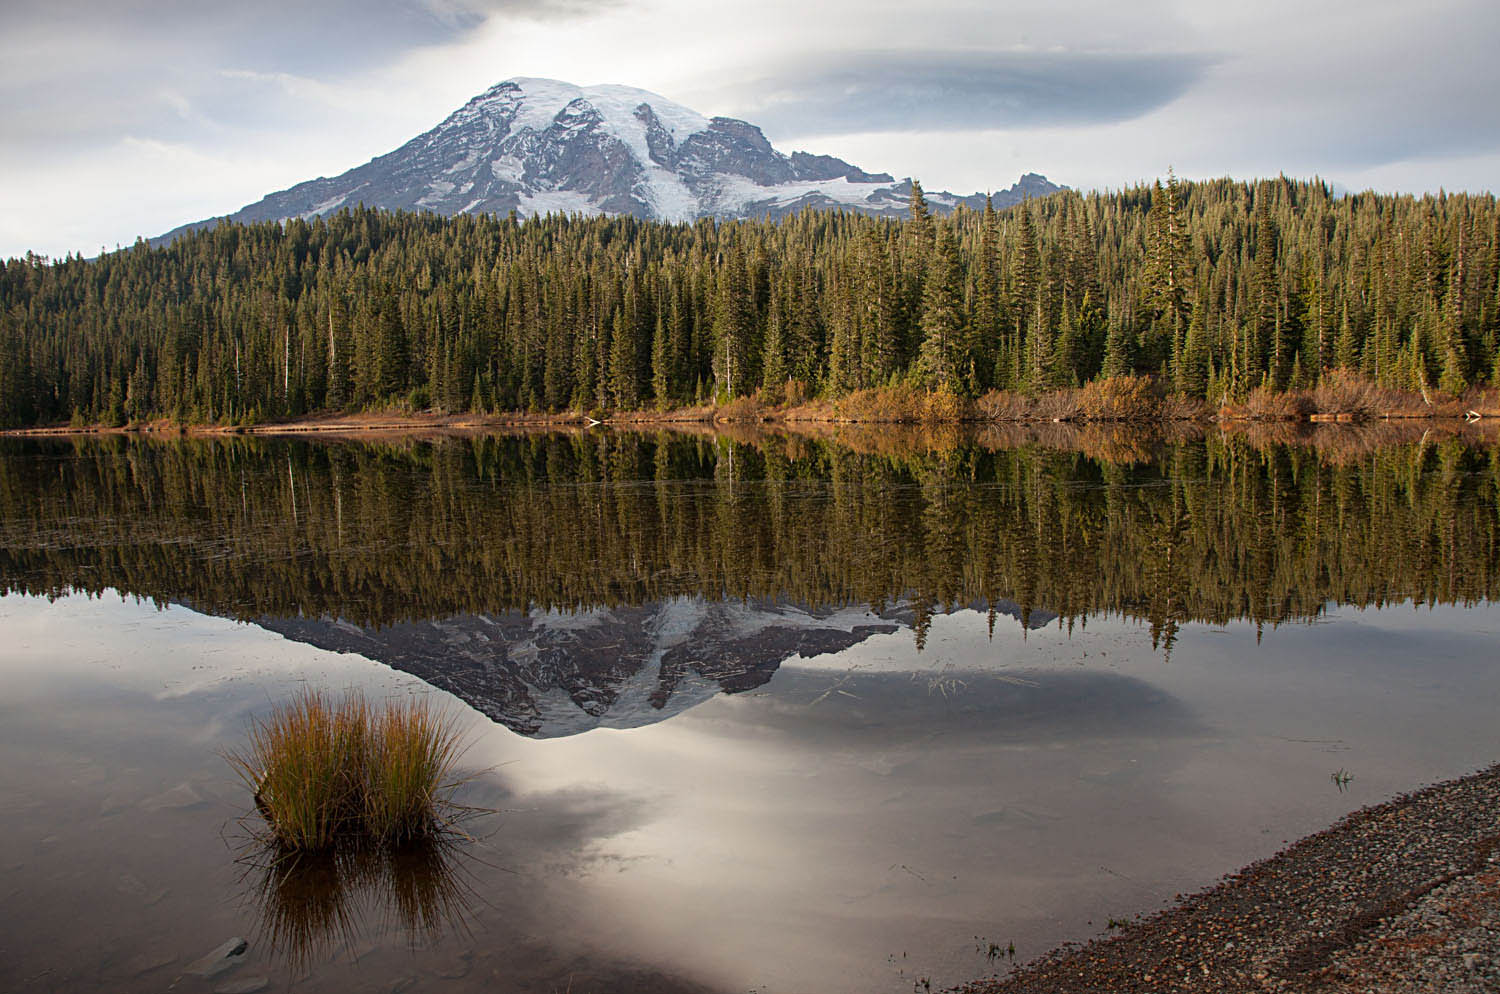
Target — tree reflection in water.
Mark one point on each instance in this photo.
(312, 905)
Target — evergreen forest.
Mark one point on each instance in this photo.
(1213, 289)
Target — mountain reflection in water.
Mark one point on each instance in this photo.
(562, 581)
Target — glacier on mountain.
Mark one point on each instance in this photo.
(542, 146)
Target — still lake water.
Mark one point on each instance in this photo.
(762, 713)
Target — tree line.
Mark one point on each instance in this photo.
(1216, 288)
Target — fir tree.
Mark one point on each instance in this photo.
(943, 319)
(626, 389)
(1192, 369)
(661, 365)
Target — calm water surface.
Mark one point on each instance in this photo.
(766, 714)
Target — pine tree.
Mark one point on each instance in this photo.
(984, 331)
(1347, 350)
(1041, 365)
(921, 216)
(661, 365)
(733, 327)
(844, 366)
(879, 313)
(338, 355)
(1269, 342)
(1025, 280)
(773, 365)
(943, 319)
(623, 383)
(392, 356)
(1192, 369)
(1169, 271)
(1116, 352)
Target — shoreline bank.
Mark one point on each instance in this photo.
(423, 422)
(1398, 897)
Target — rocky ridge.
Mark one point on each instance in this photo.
(539, 146)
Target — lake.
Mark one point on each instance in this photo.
(746, 711)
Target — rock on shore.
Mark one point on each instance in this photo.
(1401, 897)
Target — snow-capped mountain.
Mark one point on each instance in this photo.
(549, 674)
(540, 146)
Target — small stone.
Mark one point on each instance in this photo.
(144, 963)
(225, 957)
(250, 985)
(179, 798)
(460, 969)
(1471, 961)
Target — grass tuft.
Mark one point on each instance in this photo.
(327, 772)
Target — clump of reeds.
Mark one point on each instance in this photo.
(328, 771)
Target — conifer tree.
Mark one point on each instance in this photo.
(773, 365)
(879, 314)
(921, 217)
(984, 331)
(943, 318)
(1168, 253)
(1269, 342)
(625, 387)
(661, 365)
(1041, 365)
(338, 354)
(1116, 352)
(1347, 349)
(733, 327)
(1192, 369)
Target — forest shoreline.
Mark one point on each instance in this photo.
(1129, 402)
(1398, 896)
(417, 423)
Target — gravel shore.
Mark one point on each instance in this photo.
(1400, 897)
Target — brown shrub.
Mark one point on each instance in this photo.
(1175, 407)
(1343, 391)
(1120, 398)
(885, 404)
(750, 409)
(1266, 404)
(943, 405)
(1005, 405)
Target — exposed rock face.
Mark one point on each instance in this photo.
(540, 146)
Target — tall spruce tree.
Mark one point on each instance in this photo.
(943, 317)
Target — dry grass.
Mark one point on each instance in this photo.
(328, 771)
(1115, 399)
(750, 409)
(1347, 395)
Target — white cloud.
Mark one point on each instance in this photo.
(1377, 92)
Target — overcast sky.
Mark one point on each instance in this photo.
(128, 117)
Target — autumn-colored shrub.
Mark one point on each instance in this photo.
(324, 771)
(742, 409)
(897, 403)
(1343, 391)
(1266, 404)
(943, 405)
(1119, 398)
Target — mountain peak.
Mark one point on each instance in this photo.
(539, 146)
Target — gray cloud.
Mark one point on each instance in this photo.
(884, 91)
(77, 73)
